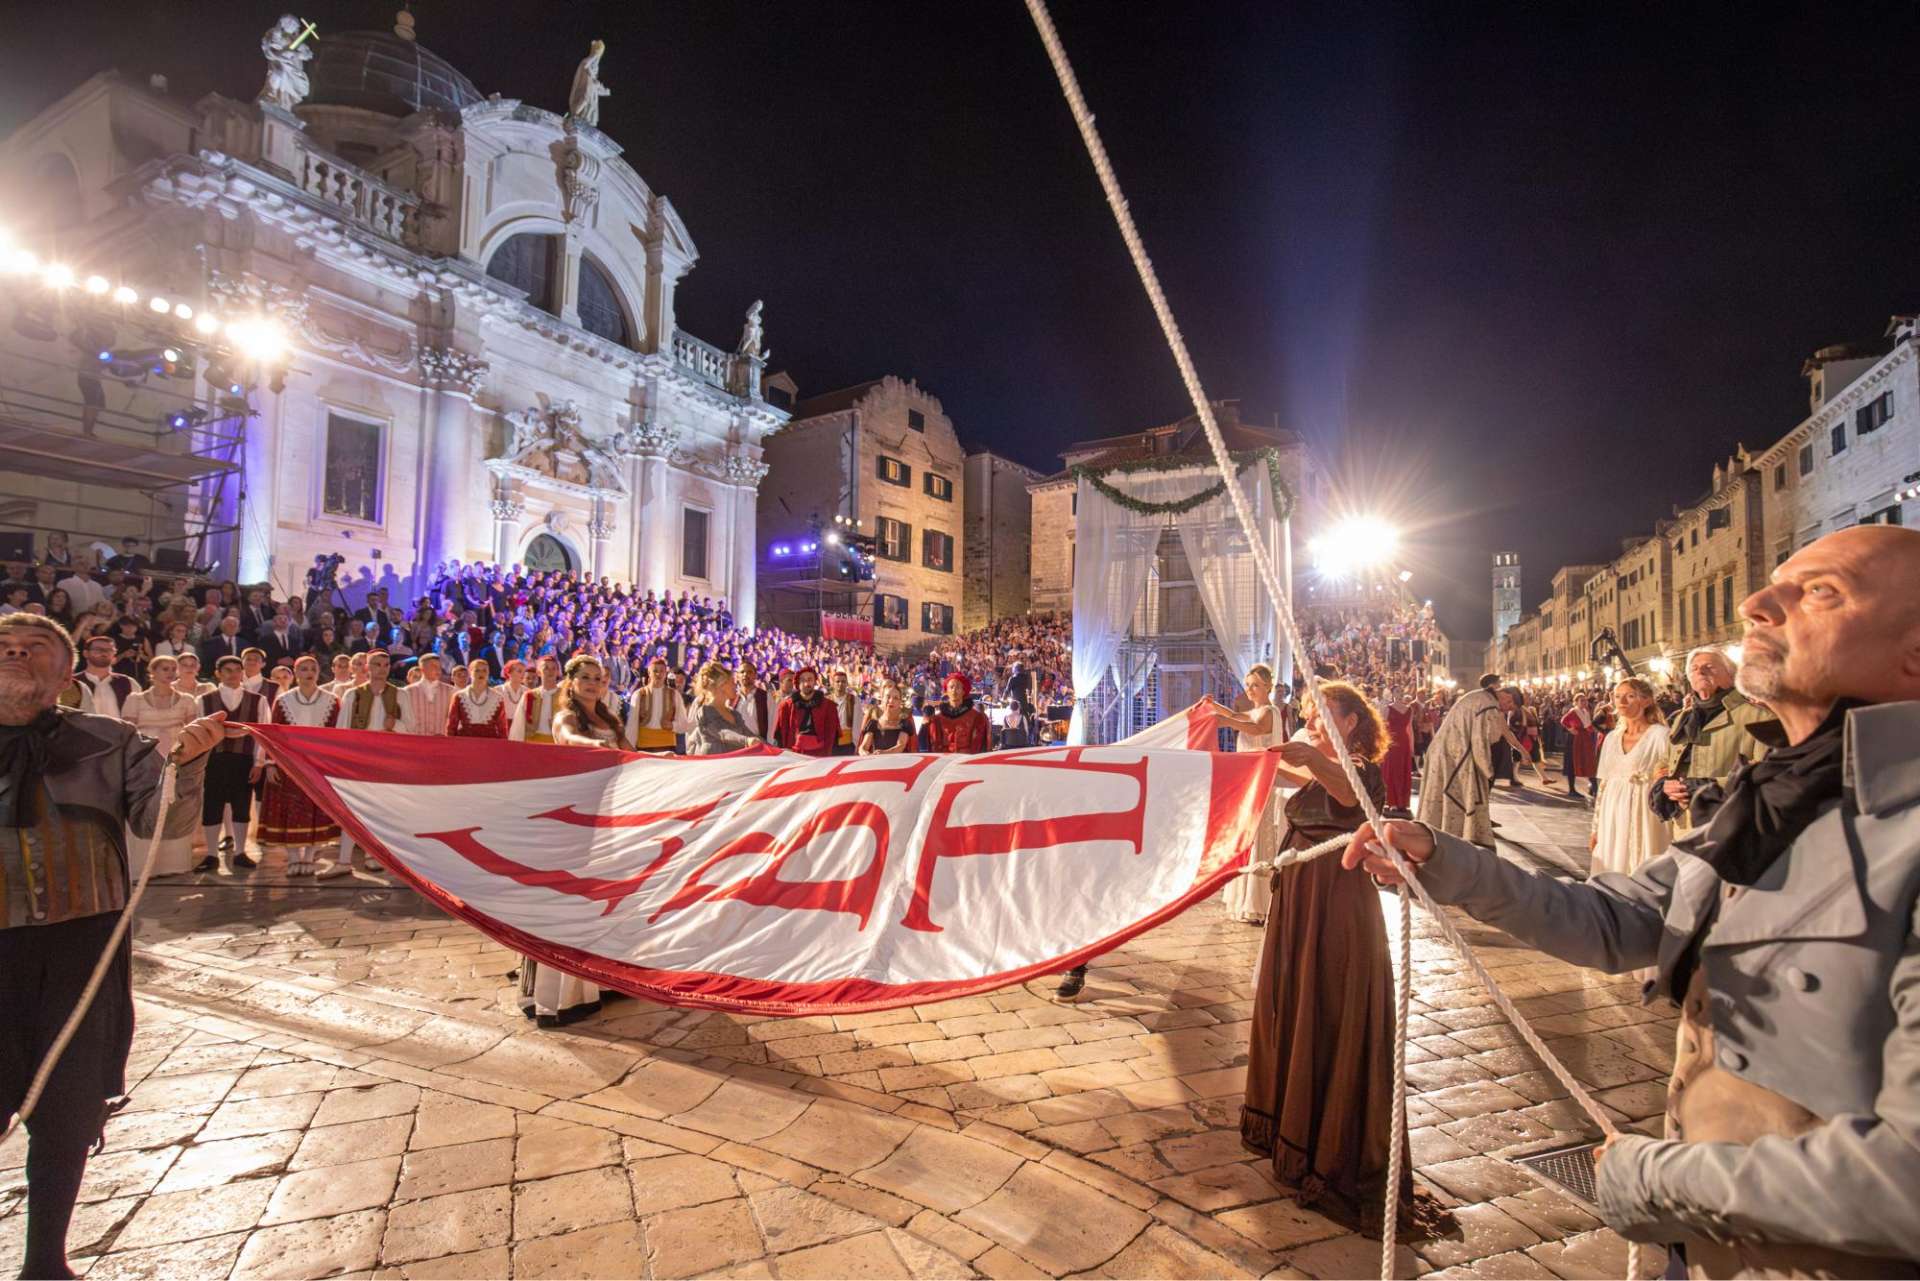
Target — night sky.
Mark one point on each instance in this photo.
(1521, 273)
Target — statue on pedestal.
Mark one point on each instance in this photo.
(752, 335)
(583, 104)
(287, 55)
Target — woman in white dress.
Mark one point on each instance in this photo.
(583, 717)
(1246, 897)
(159, 711)
(1626, 831)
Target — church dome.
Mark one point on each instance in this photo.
(383, 72)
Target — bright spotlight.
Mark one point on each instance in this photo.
(833, 540)
(97, 285)
(1406, 575)
(183, 311)
(1357, 543)
(19, 262)
(58, 275)
(256, 339)
(205, 324)
(125, 296)
(160, 305)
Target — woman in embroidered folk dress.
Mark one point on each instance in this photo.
(1319, 1099)
(583, 717)
(479, 710)
(1246, 897)
(1626, 831)
(288, 817)
(159, 711)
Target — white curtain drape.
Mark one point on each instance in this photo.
(1239, 607)
(1114, 550)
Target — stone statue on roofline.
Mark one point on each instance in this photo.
(583, 104)
(287, 55)
(752, 336)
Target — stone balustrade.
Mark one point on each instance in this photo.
(704, 360)
(384, 210)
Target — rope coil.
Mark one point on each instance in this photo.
(1263, 563)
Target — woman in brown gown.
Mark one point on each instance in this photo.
(1320, 1057)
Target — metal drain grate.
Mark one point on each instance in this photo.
(1570, 1169)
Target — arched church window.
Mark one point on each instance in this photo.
(600, 309)
(525, 261)
(546, 553)
(55, 195)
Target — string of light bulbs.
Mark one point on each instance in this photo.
(253, 337)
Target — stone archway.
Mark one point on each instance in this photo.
(545, 552)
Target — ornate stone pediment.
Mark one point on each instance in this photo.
(550, 441)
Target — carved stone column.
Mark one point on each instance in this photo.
(600, 531)
(453, 378)
(744, 473)
(651, 441)
(507, 510)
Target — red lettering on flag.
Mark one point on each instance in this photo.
(946, 840)
(851, 773)
(765, 888)
(592, 888)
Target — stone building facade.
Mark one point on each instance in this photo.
(885, 454)
(478, 294)
(999, 539)
(1855, 459)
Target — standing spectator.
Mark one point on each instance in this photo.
(1396, 772)
(1708, 739)
(161, 711)
(281, 641)
(480, 710)
(429, 701)
(753, 708)
(288, 816)
(1583, 747)
(957, 726)
(232, 771)
(1625, 831)
(807, 721)
(1245, 897)
(1456, 780)
(130, 558)
(109, 689)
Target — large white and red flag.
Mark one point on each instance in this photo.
(772, 883)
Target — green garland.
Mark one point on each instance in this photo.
(1282, 493)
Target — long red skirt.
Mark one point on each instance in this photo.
(288, 817)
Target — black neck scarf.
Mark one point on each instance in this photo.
(954, 711)
(1687, 730)
(1766, 805)
(23, 763)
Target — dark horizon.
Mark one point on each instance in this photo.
(1522, 277)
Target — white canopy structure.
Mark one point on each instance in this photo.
(1167, 600)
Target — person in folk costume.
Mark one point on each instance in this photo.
(533, 715)
(1626, 832)
(957, 726)
(513, 684)
(374, 705)
(253, 660)
(807, 722)
(233, 768)
(1319, 1088)
(109, 690)
(71, 787)
(429, 700)
(656, 714)
(1456, 780)
(586, 718)
(342, 678)
(161, 711)
(288, 817)
(479, 710)
(1397, 769)
(1583, 747)
(1245, 897)
(847, 705)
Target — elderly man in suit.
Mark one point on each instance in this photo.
(1785, 926)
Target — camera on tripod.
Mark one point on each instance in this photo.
(324, 578)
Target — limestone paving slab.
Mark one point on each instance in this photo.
(331, 1083)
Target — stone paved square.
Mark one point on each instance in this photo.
(332, 1079)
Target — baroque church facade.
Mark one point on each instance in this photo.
(479, 300)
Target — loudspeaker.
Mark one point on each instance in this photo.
(15, 546)
(174, 559)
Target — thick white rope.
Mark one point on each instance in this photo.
(168, 780)
(1163, 312)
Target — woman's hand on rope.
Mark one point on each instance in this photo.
(199, 737)
(1413, 840)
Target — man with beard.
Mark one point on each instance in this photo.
(1712, 736)
(957, 726)
(807, 721)
(71, 784)
(1785, 927)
